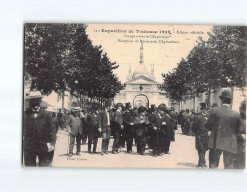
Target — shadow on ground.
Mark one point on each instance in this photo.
(187, 164)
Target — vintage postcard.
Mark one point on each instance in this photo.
(134, 96)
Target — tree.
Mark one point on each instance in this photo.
(61, 56)
(216, 63)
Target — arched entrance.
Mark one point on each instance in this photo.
(141, 100)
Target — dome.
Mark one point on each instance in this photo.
(141, 70)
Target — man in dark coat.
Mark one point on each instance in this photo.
(118, 121)
(169, 131)
(201, 134)
(141, 122)
(39, 135)
(241, 138)
(157, 122)
(104, 121)
(224, 124)
(128, 120)
(74, 125)
(92, 126)
(61, 119)
(84, 126)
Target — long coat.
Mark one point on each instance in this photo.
(92, 124)
(75, 125)
(201, 133)
(39, 131)
(224, 125)
(140, 125)
(102, 119)
(127, 119)
(118, 120)
(167, 130)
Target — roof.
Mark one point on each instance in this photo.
(141, 80)
(141, 69)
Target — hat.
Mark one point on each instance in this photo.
(141, 109)
(203, 105)
(162, 107)
(119, 104)
(127, 105)
(226, 94)
(214, 105)
(75, 108)
(34, 94)
(108, 102)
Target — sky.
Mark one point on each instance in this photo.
(163, 45)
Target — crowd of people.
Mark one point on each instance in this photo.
(140, 127)
(152, 128)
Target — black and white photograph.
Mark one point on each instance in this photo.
(134, 96)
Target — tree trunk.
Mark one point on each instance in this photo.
(209, 96)
(232, 90)
(63, 100)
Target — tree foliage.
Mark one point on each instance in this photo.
(216, 63)
(61, 56)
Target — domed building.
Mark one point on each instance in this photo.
(141, 89)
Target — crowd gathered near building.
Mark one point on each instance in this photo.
(218, 130)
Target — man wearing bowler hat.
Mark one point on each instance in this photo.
(224, 124)
(201, 134)
(104, 121)
(39, 135)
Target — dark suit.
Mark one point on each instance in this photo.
(158, 135)
(201, 137)
(118, 121)
(85, 129)
(128, 129)
(105, 128)
(224, 125)
(37, 133)
(164, 133)
(93, 134)
(141, 133)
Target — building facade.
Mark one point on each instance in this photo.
(141, 88)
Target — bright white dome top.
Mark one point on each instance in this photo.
(141, 69)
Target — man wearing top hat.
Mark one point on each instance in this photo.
(74, 125)
(224, 124)
(104, 122)
(201, 134)
(39, 135)
(128, 120)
